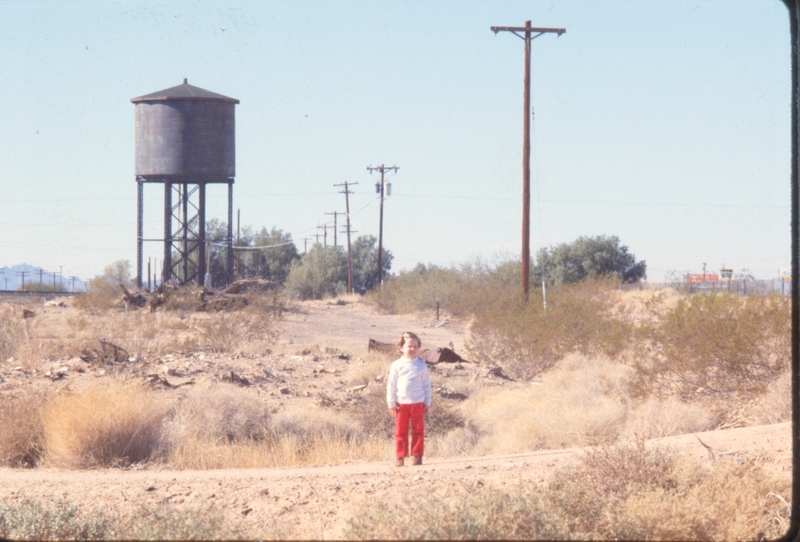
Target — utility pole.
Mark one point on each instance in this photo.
(527, 36)
(22, 274)
(381, 189)
(347, 193)
(305, 244)
(335, 214)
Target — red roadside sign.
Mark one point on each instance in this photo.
(694, 279)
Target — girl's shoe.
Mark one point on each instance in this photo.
(399, 462)
(416, 460)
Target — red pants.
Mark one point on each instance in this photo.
(415, 412)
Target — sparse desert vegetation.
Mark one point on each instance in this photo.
(598, 368)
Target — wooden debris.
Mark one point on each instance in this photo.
(233, 378)
(441, 355)
(26, 313)
(384, 348)
(137, 300)
(107, 353)
(231, 298)
(498, 371)
(155, 378)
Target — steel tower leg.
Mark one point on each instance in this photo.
(139, 232)
(230, 232)
(166, 267)
(201, 236)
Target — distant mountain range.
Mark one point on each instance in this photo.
(11, 278)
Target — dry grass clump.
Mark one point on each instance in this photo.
(374, 365)
(575, 404)
(62, 520)
(108, 424)
(218, 427)
(657, 417)
(775, 406)
(13, 332)
(227, 332)
(21, 429)
(225, 428)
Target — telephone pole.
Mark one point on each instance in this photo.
(335, 214)
(347, 193)
(22, 274)
(381, 189)
(525, 33)
(305, 244)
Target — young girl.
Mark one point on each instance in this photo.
(408, 393)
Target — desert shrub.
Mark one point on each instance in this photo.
(104, 291)
(586, 497)
(526, 339)
(108, 424)
(227, 331)
(458, 290)
(420, 289)
(172, 523)
(731, 502)
(61, 519)
(43, 287)
(473, 514)
(715, 345)
(13, 332)
(634, 492)
(21, 429)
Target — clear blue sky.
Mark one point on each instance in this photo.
(664, 123)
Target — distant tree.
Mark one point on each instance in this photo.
(274, 262)
(320, 273)
(365, 263)
(588, 256)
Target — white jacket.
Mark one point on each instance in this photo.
(409, 382)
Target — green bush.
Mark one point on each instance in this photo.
(320, 273)
(714, 345)
(527, 339)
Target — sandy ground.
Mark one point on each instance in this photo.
(316, 502)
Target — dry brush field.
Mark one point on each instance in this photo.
(270, 422)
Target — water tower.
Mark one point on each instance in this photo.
(185, 141)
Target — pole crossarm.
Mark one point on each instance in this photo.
(516, 29)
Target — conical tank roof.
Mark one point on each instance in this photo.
(184, 92)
